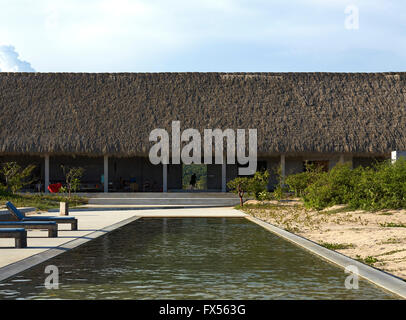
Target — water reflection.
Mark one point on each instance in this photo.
(189, 258)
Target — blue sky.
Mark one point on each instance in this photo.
(201, 35)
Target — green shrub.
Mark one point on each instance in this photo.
(280, 192)
(15, 176)
(3, 190)
(318, 195)
(258, 183)
(338, 186)
(297, 183)
(265, 195)
(381, 186)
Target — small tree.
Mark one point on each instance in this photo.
(72, 178)
(251, 185)
(15, 176)
(239, 186)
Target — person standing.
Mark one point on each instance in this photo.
(193, 181)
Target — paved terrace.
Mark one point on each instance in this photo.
(93, 222)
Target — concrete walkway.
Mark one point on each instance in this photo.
(93, 222)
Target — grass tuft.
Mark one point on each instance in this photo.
(392, 225)
(41, 201)
(368, 260)
(336, 246)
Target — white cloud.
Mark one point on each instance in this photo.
(10, 61)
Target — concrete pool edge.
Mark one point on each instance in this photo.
(380, 278)
(15, 268)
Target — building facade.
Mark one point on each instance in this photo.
(102, 122)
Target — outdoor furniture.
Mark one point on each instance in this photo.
(19, 234)
(51, 226)
(54, 188)
(19, 216)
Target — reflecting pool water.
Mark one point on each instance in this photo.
(189, 258)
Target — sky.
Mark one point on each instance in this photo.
(202, 35)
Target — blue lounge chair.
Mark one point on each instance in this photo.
(19, 216)
(51, 226)
(19, 235)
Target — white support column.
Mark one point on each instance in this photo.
(46, 173)
(224, 176)
(395, 155)
(283, 169)
(106, 174)
(165, 178)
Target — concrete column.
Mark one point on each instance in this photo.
(46, 173)
(165, 178)
(106, 174)
(341, 160)
(395, 155)
(283, 169)
(224, 176)
(63, 208)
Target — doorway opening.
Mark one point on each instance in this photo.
(194, 177)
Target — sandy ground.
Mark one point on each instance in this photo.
(377, 238)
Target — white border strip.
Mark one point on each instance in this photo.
(380, 278)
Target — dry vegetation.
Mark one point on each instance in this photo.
(41, 202)
(376, 238)
(293, 112)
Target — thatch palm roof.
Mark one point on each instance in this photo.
(114, 113)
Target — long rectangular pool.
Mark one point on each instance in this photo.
(189, 258)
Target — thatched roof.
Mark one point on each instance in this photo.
(114, 113)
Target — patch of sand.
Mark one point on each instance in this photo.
(366, 234)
